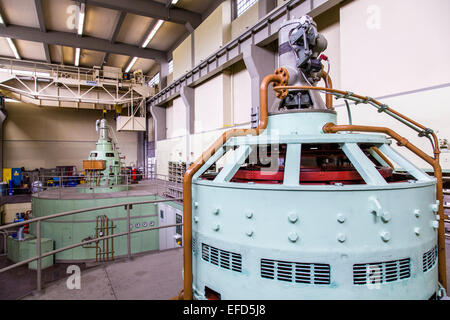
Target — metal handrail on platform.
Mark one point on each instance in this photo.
(38, 221)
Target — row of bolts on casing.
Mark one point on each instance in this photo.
(341, 237)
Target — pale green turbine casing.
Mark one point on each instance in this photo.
(336, 225)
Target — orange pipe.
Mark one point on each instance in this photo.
(279, 78)
(341, 92)
(382, 156)
(329, 84)
(434, 162)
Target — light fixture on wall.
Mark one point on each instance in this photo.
(174, 1)
(131, 64)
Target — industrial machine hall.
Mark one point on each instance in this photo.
(244, 150)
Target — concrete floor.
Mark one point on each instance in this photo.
(154, 276)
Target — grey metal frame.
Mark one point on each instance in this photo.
(262, 33)
(38, 221)
(86, 42)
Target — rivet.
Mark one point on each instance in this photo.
(386, 216)
(216, 211)
(293, 217)
(435, 206)
(438, 217)
(417, 231)
(195, 204)
(196, 218)
(216, 227)
(435, 224)
(340, 218)
(249, 214)
(385, 236)
(249, 233)
(417, 213)
(293, 236)
(341, 237)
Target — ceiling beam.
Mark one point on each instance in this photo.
(151, 9)
(115, 33)
(72, 40)
(40, 16)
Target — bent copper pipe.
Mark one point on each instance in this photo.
(434, 162)
(187, 179)
(382, 156)
(329, 84)
(436, 150)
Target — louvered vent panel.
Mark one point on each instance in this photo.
(430, 258)
(381, 272)
(221, 258)
(311, 273)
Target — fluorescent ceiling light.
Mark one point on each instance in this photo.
(174, 1)
(152, 33)
(25, 72)
(81, 19)
(132, 62)
(11, 100)
(77, 57)
(10, 42)
(13, 48)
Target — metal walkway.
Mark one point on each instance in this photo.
(56, 85)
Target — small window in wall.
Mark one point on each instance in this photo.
(93, 154)
(170, 66)
(243, 5)
(109, 154)
(154, 81)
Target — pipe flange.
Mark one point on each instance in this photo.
(284, 75)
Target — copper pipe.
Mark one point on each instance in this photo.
(103, 234)
(112, 240)
(187, 179)
(378, 103)
(96, 243)
(434, 162)
(107, 241)
(329, 85)
(382, 156)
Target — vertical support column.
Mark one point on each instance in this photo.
(159, 117)
(188, 96)
(163, 73)
(259, 62)
(159, 125)
(2, 119)
(146, 146)
(192, 33)
(140, 148)
(265, 6)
